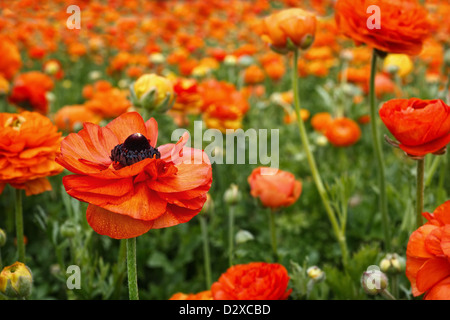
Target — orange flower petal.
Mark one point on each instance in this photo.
(115, 225)
(440, 291)
(432, 271)
(127, 124)
(173, 216)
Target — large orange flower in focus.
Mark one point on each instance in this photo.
(253, 281)
(404, 24)
(428, 256)
(275, 188)
(29, 91)
(29, 143)
(131, 185)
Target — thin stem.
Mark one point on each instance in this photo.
(132, 269)
(388, 295)
(312, 165)
(206, 253)
(230, 234)
(273, 234)
(19, 227)
(420, 191)
(379, 156)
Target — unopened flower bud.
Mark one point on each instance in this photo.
(2, 238)
(243, 236)
(374, 281)
(392, 264)
(16, 281)
(315, 273)
(232, 195)
(68, 230)
(152, 92)
(230, 60)
(157, 58)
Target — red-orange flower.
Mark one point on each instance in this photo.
(421, 126)
(403, 24)
(428, 256)
(275, 188)
(71, 118)
(132, 186)
(29, 143)
(29, 91)
(253, 281)
(343, 132)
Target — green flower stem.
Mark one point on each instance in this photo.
(206, 251)
(120, 271)
(379, 155)
(420, 191)
(230, 234)
(387, 295)
(273, 233)
(19, 227)
(312, 165)
(132, 269)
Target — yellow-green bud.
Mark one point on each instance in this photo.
(68, 230)
(232, 195)
(152, 92)
(16, 281)
(315, 273)
(392, 264)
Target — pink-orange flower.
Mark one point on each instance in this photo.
(275, 188)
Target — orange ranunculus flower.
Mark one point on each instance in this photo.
(321, 121)
(203, 295)
(253, 75)
(428, 256)
(29, 91)
(70, 118)
(288, 29)
(420, 126)
(343, 132)
(90, 89)
(253, 281)
(188, 99)
(404, 24)
(29, 143)
(11, 61)
(131, 185)
(109, 104)
(275, 188)
(223, 105)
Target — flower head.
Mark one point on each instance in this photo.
(275, 188)
(420, 126)
(29, 143)
(253, 281)
(428, 256)
(403, 28)
(132, 185)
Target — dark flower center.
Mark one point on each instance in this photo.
(134, 149)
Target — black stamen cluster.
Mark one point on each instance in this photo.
(135, 148)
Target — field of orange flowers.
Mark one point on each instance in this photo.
(224, 150)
